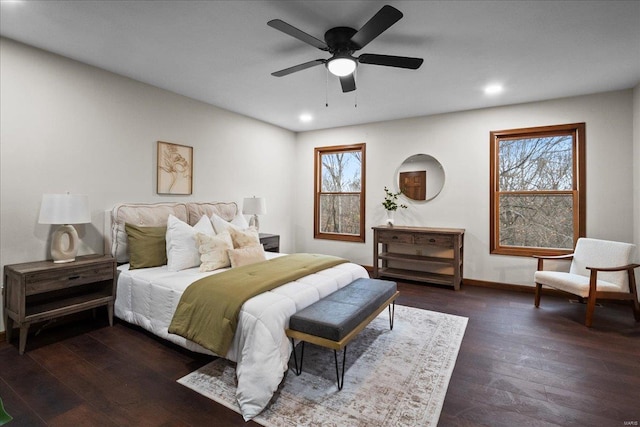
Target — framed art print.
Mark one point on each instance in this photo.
(175, 169)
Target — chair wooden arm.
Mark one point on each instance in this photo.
(621, 268)
(541, 259)
(593, 289)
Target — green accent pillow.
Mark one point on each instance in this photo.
(147, 246)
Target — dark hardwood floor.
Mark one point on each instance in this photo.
(517, 366)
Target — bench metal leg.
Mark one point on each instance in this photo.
(339, 374)
(344, 357)
(392, 312)
(298, 371)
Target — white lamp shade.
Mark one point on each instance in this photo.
(65, 209)
(254, 206)
(341, 66)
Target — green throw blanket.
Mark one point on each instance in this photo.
(209, 308)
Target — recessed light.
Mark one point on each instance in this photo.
(493, 89)
(305, 117)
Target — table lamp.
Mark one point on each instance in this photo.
(64, 210)
(254, 206)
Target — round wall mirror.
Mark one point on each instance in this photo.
(420, 177)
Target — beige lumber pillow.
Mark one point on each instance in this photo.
(242, 238)
(247, 255)
(213, 250)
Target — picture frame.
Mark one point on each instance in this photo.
(175, 169)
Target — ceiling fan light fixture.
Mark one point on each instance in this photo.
(341, 66)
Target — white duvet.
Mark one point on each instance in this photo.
(148, 298)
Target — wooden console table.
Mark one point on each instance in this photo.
(430, 255)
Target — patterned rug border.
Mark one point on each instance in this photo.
(315, 388)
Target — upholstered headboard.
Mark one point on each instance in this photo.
(155, 215)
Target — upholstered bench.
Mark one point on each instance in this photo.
(337, 318)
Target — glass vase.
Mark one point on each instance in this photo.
(390, 218)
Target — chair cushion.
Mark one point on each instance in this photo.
(337, 314)
(603, 253)
(573, 283)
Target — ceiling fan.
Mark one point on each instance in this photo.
(342, 42)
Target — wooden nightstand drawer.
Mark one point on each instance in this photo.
(52, 280)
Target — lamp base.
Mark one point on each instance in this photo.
(62, 261)
(62, 251)
(253, 222)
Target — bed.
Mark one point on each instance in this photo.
(148, 297)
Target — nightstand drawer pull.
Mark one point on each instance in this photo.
(432, 240)
(74, 277)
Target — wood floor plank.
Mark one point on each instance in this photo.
(41, 392)
(17, 408)
(530, 409)
(517, 365)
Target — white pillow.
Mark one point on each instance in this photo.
(182, 251)
(213, 250)
(220, 224)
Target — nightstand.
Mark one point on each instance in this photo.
(42, 290)
(271, 242)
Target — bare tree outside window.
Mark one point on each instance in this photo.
(537, 191)
(339, 198)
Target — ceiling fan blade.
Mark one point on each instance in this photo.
(298, 67)
(348, 83)
(386, 17)
(279, 24)
(391, 61)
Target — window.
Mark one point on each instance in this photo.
(339, 192)
(538, 191)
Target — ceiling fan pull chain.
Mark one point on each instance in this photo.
(326, 88)
(355, 92)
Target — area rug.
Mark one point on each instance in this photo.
(393, 377)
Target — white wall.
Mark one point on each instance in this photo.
(460, 141)
(66, 126)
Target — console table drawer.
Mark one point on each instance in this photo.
(434, 240)
(395, 237)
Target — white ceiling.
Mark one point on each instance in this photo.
(222, 52)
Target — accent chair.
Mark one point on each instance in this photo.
(600, 269)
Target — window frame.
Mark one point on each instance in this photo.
(578, 191)
(318, 152)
